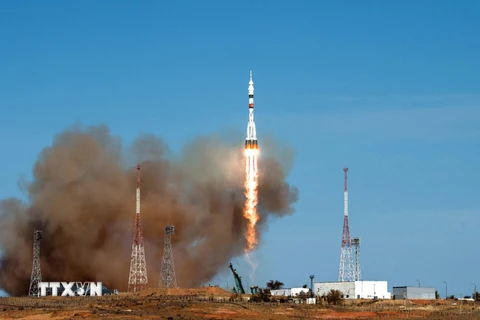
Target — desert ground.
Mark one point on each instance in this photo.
(216, 303)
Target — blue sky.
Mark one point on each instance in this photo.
(390, 89)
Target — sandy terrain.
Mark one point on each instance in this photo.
(215, 303)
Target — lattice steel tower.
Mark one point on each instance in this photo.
(345, 272)
(357, 274)
(36, 277)
(138, 279)
(168, 278)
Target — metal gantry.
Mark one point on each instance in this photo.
(168, 279)
(238, 281)
(36, 278)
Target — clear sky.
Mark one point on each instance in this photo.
(389, 88)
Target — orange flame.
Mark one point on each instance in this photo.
(251, 194)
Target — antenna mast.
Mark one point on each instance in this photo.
(137, 279)
(345, 272)
(36, 278)
(168, 278)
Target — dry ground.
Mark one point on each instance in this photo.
(215, 303)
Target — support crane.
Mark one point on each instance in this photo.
(238, 280)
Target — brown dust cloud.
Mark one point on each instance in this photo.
(82, 195)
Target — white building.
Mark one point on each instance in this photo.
(289, 291)
(355, 289)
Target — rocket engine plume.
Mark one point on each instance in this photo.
(251, 175)
(81, 197)
(251, 194)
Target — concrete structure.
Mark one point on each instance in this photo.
(355, 289)
(289, 291)
(399, 293)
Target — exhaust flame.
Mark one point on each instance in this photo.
(251, 194)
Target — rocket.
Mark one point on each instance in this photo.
(251, 141)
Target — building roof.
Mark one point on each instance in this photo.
(401, 287)
(351, 281)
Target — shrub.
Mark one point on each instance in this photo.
(263, 295)
(334, 297)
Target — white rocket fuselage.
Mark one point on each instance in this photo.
(251, 141)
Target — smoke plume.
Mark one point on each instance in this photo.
(83, 198)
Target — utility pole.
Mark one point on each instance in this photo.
(446, 290)
(418, 282)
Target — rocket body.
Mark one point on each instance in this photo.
(251, 140)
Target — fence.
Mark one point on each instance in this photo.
(383, 310)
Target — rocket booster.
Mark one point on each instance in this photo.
(251, 141)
